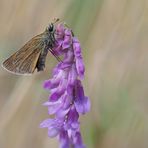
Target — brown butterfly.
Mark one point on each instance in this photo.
(33, 54)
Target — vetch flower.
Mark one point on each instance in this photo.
(67, 99)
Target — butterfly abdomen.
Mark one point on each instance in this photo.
(41, 61)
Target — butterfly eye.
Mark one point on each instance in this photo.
(50, 29)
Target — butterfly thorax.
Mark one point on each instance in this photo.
(49, 38)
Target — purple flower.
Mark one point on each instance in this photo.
(81, 102)
(54, 126)
(67, 99)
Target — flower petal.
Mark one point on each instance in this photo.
(73, 115)
(72, 75)
(80, 67)
(60, 31)
(64, 139)
(81, 102)
(79, 60)
(77, 140)
(57, 93)
(67, 39)
(77, 48)
(61, 113)
(53, 131)
(83, 105)
(46, 123)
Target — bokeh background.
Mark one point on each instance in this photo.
(114, 37)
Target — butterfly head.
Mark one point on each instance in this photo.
(50, 28)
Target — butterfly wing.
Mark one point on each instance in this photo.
(24, 60)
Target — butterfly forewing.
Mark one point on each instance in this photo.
(24, 60)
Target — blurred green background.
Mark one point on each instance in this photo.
(114, 38)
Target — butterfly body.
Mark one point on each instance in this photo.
(33, 54)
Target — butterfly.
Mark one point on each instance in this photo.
(33, 54)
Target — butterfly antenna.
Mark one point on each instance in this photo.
(55, 20)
